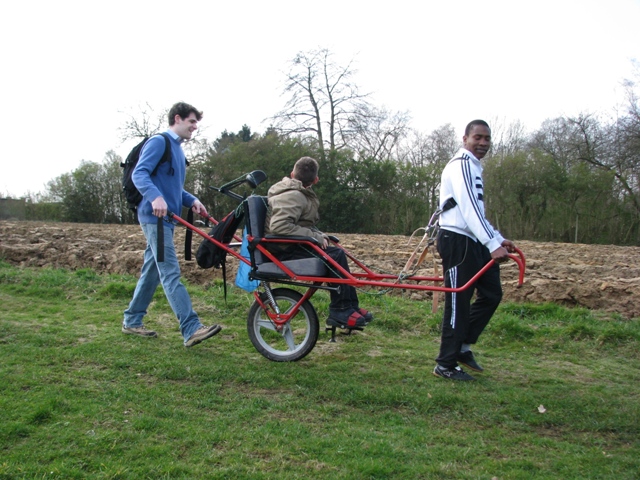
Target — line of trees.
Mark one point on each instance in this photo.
(575, 179)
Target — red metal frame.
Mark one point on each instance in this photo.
(364, 278)
(369, 278)
(279, 319)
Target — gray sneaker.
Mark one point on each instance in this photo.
(202, 334)
(452, 373)
(140, 331)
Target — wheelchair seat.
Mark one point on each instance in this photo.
(262, 268)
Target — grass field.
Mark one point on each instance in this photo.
(560, 398)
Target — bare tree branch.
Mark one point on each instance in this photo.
(144, 122)
(322, 100)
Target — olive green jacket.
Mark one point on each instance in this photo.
(293, 210)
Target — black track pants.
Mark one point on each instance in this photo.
(463, 322)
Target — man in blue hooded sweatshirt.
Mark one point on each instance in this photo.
(163, 191)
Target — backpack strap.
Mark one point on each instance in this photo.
(448, 205)
(188, 238)
(224, 280)
(160, 240)
(166, 156)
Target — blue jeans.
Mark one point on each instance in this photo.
(166, 273)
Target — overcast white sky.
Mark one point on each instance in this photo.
(69, 68)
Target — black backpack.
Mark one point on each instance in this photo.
(131, 193)
(209, 254)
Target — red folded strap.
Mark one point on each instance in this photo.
(354, 319)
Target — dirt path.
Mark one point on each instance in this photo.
(601, 277)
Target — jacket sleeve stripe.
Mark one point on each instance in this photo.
(469, 181)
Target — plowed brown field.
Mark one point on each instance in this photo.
(599, 277)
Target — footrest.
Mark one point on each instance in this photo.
(332, 325)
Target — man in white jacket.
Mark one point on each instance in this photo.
(466, 242)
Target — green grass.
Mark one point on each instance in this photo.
(78, 399)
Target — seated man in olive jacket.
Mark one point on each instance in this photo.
(293, 211)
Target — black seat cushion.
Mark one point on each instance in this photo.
(256, 211)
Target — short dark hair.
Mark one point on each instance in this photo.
(184, 110)
(306, 170)
(472, 124)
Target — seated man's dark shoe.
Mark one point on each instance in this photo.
(368, 316)
(346, 319)
(466, 359)
(452, 373)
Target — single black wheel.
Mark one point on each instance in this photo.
(295, 339)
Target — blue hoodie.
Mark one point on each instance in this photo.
(168, 182)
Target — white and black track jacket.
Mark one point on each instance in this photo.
(462, 181)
